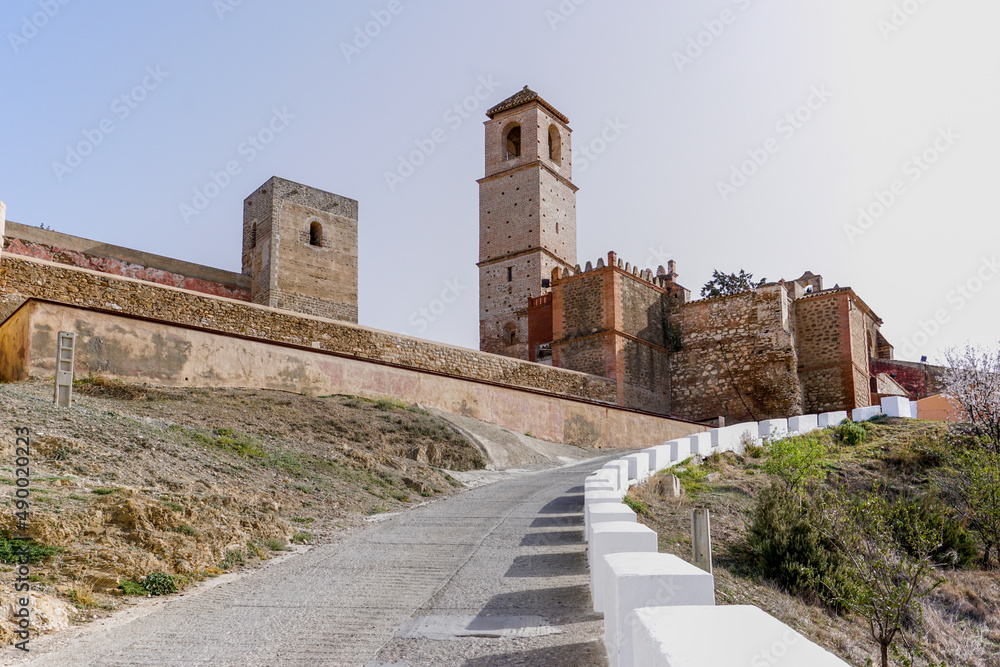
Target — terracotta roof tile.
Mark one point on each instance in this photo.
(524, 96)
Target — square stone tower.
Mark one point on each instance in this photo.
(300, 249)
(527, 216)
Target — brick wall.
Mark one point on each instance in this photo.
(527, 224)
(920, 380)
(22, 277)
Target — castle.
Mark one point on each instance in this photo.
(786, 348)
(604, 355)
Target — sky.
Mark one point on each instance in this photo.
(857, 139)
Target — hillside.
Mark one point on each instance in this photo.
(961, 617)
(136, 480)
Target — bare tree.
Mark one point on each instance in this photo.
(884, 585)
(973, 380)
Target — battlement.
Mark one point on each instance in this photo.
(663, 279)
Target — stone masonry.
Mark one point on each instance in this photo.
(527, 216)
(300, 249)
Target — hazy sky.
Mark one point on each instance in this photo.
(745, 134)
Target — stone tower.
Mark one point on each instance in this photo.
(527, 216)
(300, 249)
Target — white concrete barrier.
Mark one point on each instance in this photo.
(772, 428)
(614, 537)
(638, 467)
(861, 414)
(608, 477)
(594, 498)
(602, 485)
(680, 449)
(896, 406)
(659, 458)
(700, 443)
(914, 412)
(730, 438)
(723, 636)
(620, 469)
(803, 424)
(606, 512)
(637, 580)
(828, 419)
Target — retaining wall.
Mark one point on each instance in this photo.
(165, 353)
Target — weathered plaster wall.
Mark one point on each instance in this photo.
(14, 347)
(167, 354)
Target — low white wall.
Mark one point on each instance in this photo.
(659, 457)
(803, 424)
(637, 580)
(896, 406)
(612, 538)
(726, 636)
(606, 513)
(861, 414)
(772, 428)
(828, 419)
(595, 497)
(638, 467)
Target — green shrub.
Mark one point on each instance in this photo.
(851, 432)
(783, 545)
(301, 536)
(929, 515)
(36, 552)
(102, 492)
(796, 459)
(233, 558)
(186, 530)
(390, 404)
(276, 544)
(130, 587)
(637, 505)
(159, 583)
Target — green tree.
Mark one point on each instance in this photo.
(796, 460)
(724, 284)
(884, 583)
(975, 482)
(783, 544)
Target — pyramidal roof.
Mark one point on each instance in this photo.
(522, 97)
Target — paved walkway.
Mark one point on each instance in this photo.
(493, 576)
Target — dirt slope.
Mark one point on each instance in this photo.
(134, 480)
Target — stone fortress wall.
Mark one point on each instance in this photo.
(22, 278)
(116, 260)
(783, 349)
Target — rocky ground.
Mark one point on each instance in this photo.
(136, 480)
(961, 618)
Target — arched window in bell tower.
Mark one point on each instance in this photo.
(514, 142)
(555, 145)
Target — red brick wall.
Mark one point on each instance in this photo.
(539, 323)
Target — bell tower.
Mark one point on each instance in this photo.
(527, 216)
